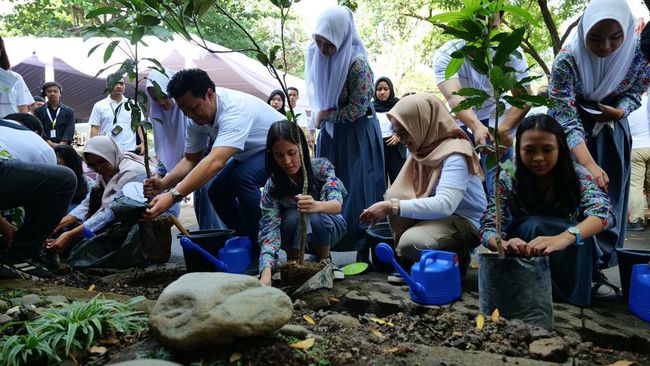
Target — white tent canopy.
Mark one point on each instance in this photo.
(66, 60)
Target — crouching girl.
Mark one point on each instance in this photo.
(551, 206)
(282, 201)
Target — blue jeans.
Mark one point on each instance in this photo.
(322, 229)
(235, 194)
(45, 191)
(489, 174)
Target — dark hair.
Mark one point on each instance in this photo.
(282, 184)
(4, 58)
(645, 43)
(566, 185)
(38, 98)
(196, 81)
(284, 100)
(294, 89)
(50, 84)
(72, 160)
(28, 120)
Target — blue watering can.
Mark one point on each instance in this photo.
(435, 278)
(640, 291)
(234, 257)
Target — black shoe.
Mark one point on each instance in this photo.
(635, 226)
(600, 281)
(27, 268)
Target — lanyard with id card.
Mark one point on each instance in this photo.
(53, 120)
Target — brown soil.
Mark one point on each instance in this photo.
(295, 274)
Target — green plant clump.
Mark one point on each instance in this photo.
(69, 331)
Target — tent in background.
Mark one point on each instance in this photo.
(66, 60)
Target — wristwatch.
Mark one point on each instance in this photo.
(394, 203)
(575, 231)
(176, 196)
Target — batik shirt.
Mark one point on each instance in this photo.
(356, 96)
(272, 207)
(593, 202)
(566, 86)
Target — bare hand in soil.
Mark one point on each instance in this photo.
(265, 277)
(376, 212)
(60, 243)
(307, 204)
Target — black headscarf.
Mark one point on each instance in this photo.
(385, 106)
(284, 100)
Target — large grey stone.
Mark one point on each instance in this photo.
(554, 349)
(340, 320)
(203, 309)
(31, 299)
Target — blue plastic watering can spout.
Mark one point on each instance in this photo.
(386, 255)
(188, 244)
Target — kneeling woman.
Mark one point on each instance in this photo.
(282, 201)
(437, 199)
(115, 169)
(552, 206)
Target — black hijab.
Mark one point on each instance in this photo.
(385, 106)
(284, 100)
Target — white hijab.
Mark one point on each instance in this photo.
(128, 165)
(325, 76)
(169, 136)
(601, 75)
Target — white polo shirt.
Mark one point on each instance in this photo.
(19, 143)
(470, 78)
(17, 95)
(242, 121)
(639, 121)
(103, 114)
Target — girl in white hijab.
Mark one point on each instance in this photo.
(340, 86)
(596, 82)
(115, 169)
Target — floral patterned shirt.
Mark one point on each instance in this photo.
(566, 86)
(272, 207)
(356, 96)
(593, 202)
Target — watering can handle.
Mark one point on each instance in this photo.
(190, 245)
(423, 259)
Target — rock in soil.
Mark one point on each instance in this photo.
(340, 320)
(4, 318)
(203, 309)
(316, 300)
(293, 330)
(56, 299)
(554, 349)
(31, 299)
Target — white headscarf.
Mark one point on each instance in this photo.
(128, 165)
(601, 75)
(325, 76)
(169, 136)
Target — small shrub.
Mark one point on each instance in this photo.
(157, 354)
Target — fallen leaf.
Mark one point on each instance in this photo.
(382, 322)
(334, 299)
(97, 349)
(377, 333)
(309, 319)
(474, 266)
(91, 288)
(110, 341)
(304, 345)
(235, 357)
(398, 350)
(457, 334)
(480, 321)
(495, 315)
(623, 363)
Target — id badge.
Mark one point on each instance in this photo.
(53, 133)
(116, 130)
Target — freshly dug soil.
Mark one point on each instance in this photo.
(295, 274)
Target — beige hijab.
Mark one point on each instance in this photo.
(128, 165)
(435, 136)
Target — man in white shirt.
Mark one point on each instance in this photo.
(30, 178)
(14, 94)
(234, 125)
(109, 110)
(639, 121)
(303, 121)
(479, 120)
